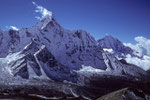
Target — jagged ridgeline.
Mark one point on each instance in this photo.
(49, 53)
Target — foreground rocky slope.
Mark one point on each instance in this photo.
(126, 94)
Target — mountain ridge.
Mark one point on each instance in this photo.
(69, 48)
(69, 62)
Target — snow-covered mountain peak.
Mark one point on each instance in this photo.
(110, 37)
(46, 20)
(116, 45)
(109, 41)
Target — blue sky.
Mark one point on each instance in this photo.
(124, 19)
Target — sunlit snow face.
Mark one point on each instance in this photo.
(108, 50)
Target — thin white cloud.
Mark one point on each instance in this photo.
(142, 47)
(143, 62)
(142, 50)
(12, 27)
(43, 11)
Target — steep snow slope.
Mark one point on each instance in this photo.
(36, 61)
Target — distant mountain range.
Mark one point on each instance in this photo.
(49, 52)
